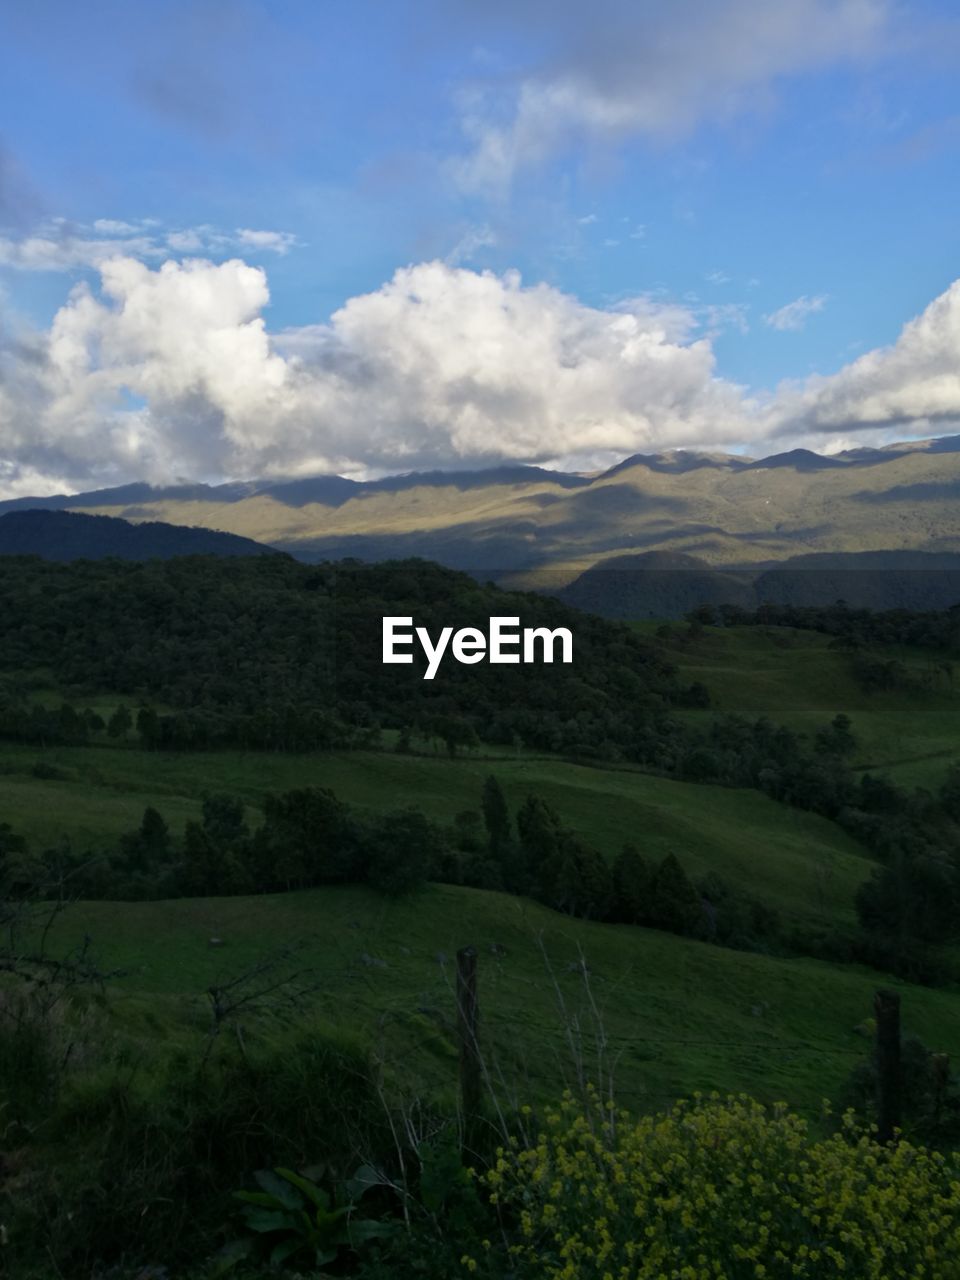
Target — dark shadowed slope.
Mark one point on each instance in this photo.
(65, 535)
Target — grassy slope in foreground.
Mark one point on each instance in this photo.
(679, 1015)
(797, 862)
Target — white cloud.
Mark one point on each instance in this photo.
(440, 366)
(626, 70)
(718, 317)
(190, 241)
(914, 383)
(717, 277)
(470, 243)
(169, 371)
(795, 314)
(62, 246)
(587, 219)
(273, 241)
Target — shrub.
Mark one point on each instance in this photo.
(142, 1164)
(724, 1188)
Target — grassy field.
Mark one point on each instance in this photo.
(664, 1016)
(793, 677)
(801, 864)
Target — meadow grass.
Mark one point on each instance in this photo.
(793, 677)
(661, 1016)
(799, 863)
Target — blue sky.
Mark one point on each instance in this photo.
(766, 192)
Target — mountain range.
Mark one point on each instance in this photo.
(712, 525)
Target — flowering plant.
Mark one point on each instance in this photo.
(723, 1189)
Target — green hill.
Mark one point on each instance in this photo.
(662, 1015)
(794, 677)
(798, 863)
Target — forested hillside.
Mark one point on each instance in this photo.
(270, 652)
(67, 535)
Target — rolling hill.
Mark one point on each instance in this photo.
(669, 584)
(800, 864)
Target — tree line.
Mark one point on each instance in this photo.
(308, 837)
(269, 653)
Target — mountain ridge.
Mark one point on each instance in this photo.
(726, 509)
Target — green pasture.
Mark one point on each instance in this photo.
(797, 862)
(658, 1015)
(793, 677)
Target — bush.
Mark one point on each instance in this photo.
(724, 1188)
(142, 1163)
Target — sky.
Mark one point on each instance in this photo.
(254, 238)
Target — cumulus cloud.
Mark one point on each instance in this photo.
(914, 383)
(794, 315)
(168, 372)
(650, 71)
(155, 376)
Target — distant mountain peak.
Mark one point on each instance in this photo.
(800, 459)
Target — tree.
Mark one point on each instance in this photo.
(539, 830)
(147, 848)
(674, 902)
(579, 881)
(120, 723)
(837, 739)
(92, 721)
(307, 838)
(632, 886)
(496, 817)
(217, 850)
(148, 727)
(915, 897)
(70, 724)
(402, 850)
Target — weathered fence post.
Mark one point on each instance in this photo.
(886, 1006)
(468, 1014)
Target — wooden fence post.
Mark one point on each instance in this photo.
(886, 1006)
(468, 1015)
